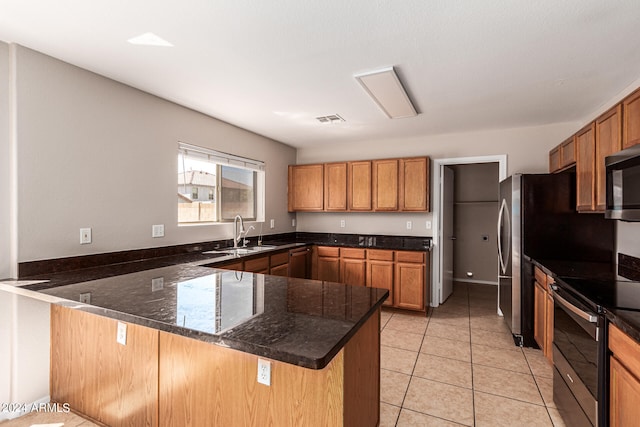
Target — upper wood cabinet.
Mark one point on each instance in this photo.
(414, 184)
(563, 156)
(335, 186)
(631, 122)
(306, 187)
(608, 141)
(385, 184)
(359, 188)
(585, 168)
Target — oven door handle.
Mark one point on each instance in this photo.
(589, 317)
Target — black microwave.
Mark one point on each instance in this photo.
(623, 184)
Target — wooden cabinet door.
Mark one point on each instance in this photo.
(306, 188)
(539, 314)
(359, 186)
(631, 125)
(335, 186)
(329, 269)
(353, 271)
(385, 184)
(568, 152)
(585, 168)
(299, 263)
(409, 286)
(414, 184)
(554, 159)
(608, 141)
(624, 389)
(380, 275)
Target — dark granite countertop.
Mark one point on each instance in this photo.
(298, 321)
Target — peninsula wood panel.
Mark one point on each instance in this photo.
(608, 141)
(111, 383)
(205, 384)
(362, 375)
(335, 186)
(585, 168)
(306, 188)
(385, 175)
(414, 184)
(631, 122)
(359, 186)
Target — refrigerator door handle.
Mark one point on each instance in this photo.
(502, 216)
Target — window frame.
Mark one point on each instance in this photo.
(220, 159)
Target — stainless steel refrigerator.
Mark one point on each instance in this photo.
(537, 219)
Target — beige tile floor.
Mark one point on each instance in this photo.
(459, 366)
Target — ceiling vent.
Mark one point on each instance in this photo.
(333, 118)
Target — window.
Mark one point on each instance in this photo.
(215, 187)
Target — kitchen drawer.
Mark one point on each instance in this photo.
(352, 253)
(328, 251)
(256, 265)
(379, 255)
(410, 256)
(279, 259)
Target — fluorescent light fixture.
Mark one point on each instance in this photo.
(149, 39)
(384, 87)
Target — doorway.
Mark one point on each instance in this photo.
(468, 208)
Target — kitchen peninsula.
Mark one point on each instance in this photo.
(180, 345)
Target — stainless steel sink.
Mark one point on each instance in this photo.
(241, 251)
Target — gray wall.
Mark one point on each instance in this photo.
(96, 153)
(476, 194)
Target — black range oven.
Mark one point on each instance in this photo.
(580, 344)
(579, 358)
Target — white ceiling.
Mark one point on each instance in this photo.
(273, 66)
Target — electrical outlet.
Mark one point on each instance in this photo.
(343, 223)
(157, 284)
(409, 225)
(272, 223)
(85, 236)
(121, 337)
(293, 222)
(428, 225)
(157, 230)
(264, 372)
(85, 298)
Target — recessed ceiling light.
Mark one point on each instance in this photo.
(149, 39)
(384, 87)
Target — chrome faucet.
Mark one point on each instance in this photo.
(237, 234)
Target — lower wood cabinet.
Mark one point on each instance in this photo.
(352, 266)
(380, 266)
(402, 273)
(543, 312)
(409, 281)
(624, 382)
(299, 261)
